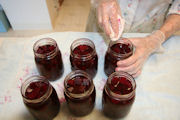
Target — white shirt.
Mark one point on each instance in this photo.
(143, 15)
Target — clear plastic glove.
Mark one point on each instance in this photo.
(109, 18)
(143, 48)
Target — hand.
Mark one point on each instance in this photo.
(109, 18)
(143, 48)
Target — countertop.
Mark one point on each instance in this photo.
(158, 86)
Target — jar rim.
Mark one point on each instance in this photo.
(45, 41)
(121, 40)
(120, 74)
(83, 41)
(74, 74)
(31, 79)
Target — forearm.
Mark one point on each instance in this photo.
(171, 25)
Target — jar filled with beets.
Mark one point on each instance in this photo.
(83, 56)
(79, 92)
(118, 95)
(40, 98)
(117, 50)
(48, 58)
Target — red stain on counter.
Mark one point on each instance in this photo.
(26, 72)
(4, 99)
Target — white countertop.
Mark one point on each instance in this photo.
(158, 87)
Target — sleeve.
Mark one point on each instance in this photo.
(175, 7)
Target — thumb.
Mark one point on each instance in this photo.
(135, 41)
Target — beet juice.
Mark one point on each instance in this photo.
(83, 56)
(40, 98)
(118, 95)
(48, 58)
(117, 50)
(79, 93)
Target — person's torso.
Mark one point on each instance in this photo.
(143, 15)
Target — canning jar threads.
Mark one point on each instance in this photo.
(48, 58)
(79, 93)
(83, 56)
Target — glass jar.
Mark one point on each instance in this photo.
(79, 93)
(83, 56)
(118, 95)
(117, 50)
(48, 58)
(40, 98)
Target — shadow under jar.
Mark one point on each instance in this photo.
(48, 58)
(117, 50)
(40, 98)
(118, 95)
(79, 93)
(83, 56)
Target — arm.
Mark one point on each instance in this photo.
(147, 45)
(171, 25)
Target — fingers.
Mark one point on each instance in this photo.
(114, 22)
(134, 73)
(108, 18)
(137, 73)
(117, 23)
(129, 61)
(136, 41)
(132, 65)
(100, 15)
(132, 69)
(105, 21)
(121, 25)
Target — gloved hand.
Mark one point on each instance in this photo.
(109, 18)
(143, 48)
